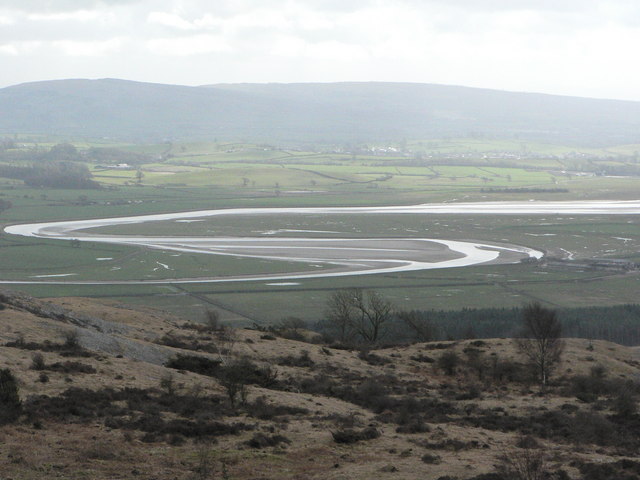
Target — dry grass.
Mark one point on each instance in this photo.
(80, 450)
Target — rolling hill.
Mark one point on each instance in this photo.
(295, 113)
(94, 389)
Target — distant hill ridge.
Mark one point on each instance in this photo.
(310, 112)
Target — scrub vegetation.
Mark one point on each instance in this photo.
(158, 395)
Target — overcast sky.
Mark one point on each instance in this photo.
(573, 47)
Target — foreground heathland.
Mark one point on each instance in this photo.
(108, 390)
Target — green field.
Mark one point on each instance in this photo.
(193, 176)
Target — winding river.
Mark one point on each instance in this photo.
(339, 256)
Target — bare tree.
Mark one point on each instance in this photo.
(340, 314)
(373, 314)
(212, 320)
(421, 327)
(541, 340)
(524, 464)
(352, 312)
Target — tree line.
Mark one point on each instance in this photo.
(364, 318)
(66, 152)
(59, 167)
(619, 323)
(357, 316)
(60, 174)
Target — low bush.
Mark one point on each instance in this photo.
(191, 416)
(349, 436)
(10, 403)
(422, 358)
(415, 426)
(71, 367)
(99, 451)
(373, 359)
(450, 444)
(37, 362)
(69, 348)
(506, 371)
(268, 411)
(580, 428)
(195, 363)
(431, 459)
(301, 360)
(620, 470)
(261, 440)
(438, 346)
(375, 395)
(448, 362)
(186, 343)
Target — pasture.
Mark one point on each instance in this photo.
(208, 175)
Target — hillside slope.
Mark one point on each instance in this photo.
(95, 407)
(330, 113)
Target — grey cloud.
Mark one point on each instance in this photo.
(45, 32)
(58, 6)
(491, 6)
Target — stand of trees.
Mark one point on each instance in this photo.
(619, 323)
(62, 166)
(59, 174)
(5, 205)
(345, 317)
(66, 152)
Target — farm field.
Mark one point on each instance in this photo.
(212, 175)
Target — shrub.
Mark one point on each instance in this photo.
(267, 411)
(70, 348)
(625, 403)
(422, 358)
(586, 388)
(167, 384)
(71, 340)
(71, 367)
(99, 451)
(483, 476)
(594, 428)
(10, 404)
(523, 464)
(302, 360)
(261, 440)
(622, 470)
(452, 444)
(372, 358)
(431, 459)
(37, 362)
(527, 441)
(236, 375)
(349, 436)
(448, 362)
(472, 392)
(415, 426)
(290, 328)
(195, 363)
(212, 320)
(508, 371)
(234, 378)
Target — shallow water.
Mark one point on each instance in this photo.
(366, 256)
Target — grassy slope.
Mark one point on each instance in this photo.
(75, 447)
